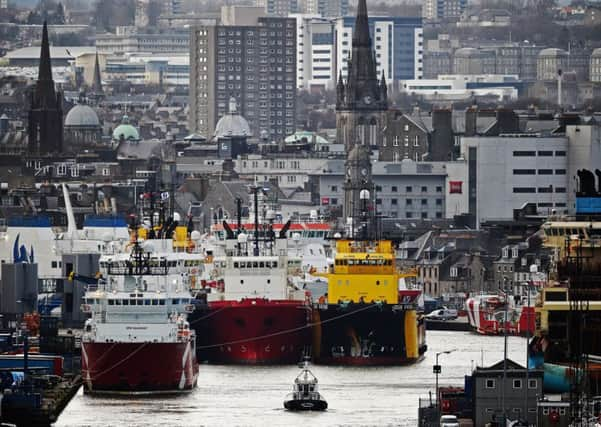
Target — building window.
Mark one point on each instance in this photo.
(560, 171)
(334, 201)
(394, 189)
(334, 188)
(408, 202)
(545, 153)
(408, 189)
(424, 215)
(560, 189)
(524, 190)
(532, 383)
(424, 202)
(393, 202)
(524, 171)
(521, 153)
(438, 202)
(378, 201)
(548, 189)
(560, 153)
(439, 189)
(490, 383)
(424, 189)
(545, 171)
(408, 214)
(517, 383)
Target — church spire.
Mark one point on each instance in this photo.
(45, 121)
(362, 89)
(361, 35)
(97, 80)
(45, 94)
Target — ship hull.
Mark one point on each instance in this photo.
(256, 331)
(367, 335)
(138, 368)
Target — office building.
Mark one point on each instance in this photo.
(315, 53)
(443, 9)
(279, 7)
(327, 8)
(251, 61)
(397, 42)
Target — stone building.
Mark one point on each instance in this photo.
(549, 62)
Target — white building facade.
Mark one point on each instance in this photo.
(397, 43)
(315, 53)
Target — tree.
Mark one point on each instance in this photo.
(114, 13)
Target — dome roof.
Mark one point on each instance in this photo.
(126, 131)
(306, 135)
(232, 124)
(82, 115)
(552, 51)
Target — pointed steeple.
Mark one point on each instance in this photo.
(383, 90)
(361, 35)
(45, 122)
(97, 80)
(45, 94)
(340, 90)
(362, 89)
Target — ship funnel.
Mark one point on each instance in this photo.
(71, 225)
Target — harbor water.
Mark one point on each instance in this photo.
(253, 395)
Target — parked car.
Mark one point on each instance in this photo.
(449, 421)
(442, 314)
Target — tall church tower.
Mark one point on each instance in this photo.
(362, 100)
(46, 111)
(360, 107)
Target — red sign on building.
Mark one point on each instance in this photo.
(325, 201)
(455, 187)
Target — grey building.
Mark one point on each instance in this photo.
(327, 8)
(436, 63)
(279, 7)
(595, 67)
(521, 387)
(470, 60)
(404, 190)
(549, 62)
(256, 64)
(404, 138)
(130, 40)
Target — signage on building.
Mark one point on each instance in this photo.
(455, 187)
(325, 201)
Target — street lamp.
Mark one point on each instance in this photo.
(437, 370)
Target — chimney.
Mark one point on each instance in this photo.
(507, 121)
(442, 143)
(471, 118)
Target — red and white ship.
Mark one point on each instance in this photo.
(138, 340)
(256, 315)
(486, 314)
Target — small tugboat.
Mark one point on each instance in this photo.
(305, 396)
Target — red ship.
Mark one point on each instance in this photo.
(258, 331)
(256, 315)
(138, 340)
(139, 368)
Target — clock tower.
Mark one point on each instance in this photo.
(362, 100)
